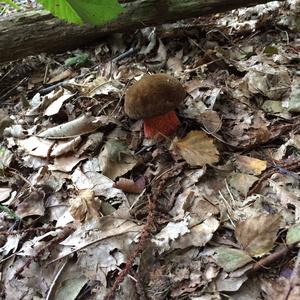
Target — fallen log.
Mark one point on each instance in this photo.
(34, 32)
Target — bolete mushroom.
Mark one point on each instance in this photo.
(153, 99)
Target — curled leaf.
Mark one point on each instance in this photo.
(130, 186)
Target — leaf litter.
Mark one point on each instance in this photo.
(90, 209)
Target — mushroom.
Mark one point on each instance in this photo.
(153, 99)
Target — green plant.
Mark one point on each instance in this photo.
(9, 2)
(95, 12)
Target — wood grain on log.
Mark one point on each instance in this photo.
(31, 33)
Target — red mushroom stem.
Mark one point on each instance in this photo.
(160, 126)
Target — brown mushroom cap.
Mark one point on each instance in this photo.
(153, 95)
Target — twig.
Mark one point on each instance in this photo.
(152, 199)
(295, 278)
(140, 247)
(85, 246)
(130, 52)
(265, 261)
(33, 230)
(14, 172)
(275, 169)
(51, 289)
(60, 237)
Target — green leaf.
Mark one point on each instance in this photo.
(9, 212)
(11, 3)
(231, 259)
(95, 12)
(78, 60)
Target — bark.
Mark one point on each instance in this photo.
(31, 33)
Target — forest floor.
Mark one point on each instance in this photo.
(89, 207)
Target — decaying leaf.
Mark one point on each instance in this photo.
(36, 146)
(84, 206)
(211, 121)
(6, 157)
(33, 205)
(198, 236)
(250, 165)
(197, 148)
(116, 159)
(65, 147)
(293, 234)
(226, 283)
(130, 186)
(231, 259)
(115, 238)
(258, 234)
(4, 193)
(5, 121)
(82, 125)
(170, 233)
(102, 185)
(56, 105)
(242, 182)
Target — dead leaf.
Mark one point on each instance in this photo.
(198, 236)
(66, 163)
(5, 121)
(211, 121)
(293, 234)
(231, 259)
(84, 206)
(82, 125)
(116, 159)
(101, 185)
(6, 157)
(56, 105)
(230, 284)
(63, 147)
(242, 182)
(170, 233)
(61, 76)
(36, 146)
(130, 186)
(250, 165)
(197, 148)
(4, 193)
(174, 64)
(258, 234)
(33, 205)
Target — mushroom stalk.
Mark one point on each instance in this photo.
(160, 126)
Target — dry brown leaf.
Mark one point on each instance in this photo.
(197, 148)
(250, 165)
(211, 121)
(36, 146)
(63, 147)
(82, 125)
(84, 206)
(116, 159)
(130, 186)
(242, 182)
(66, 163)
(33, 205)
(61, 76)
(258, 234)
(57, 104)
